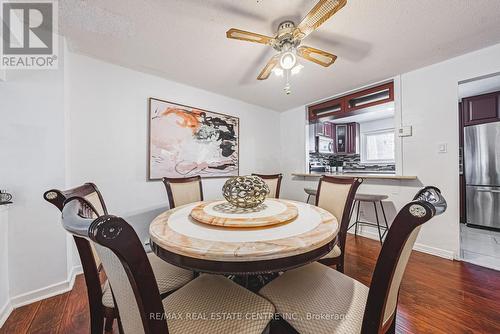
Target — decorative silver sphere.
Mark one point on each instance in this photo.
(245, 191)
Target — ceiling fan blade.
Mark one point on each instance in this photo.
(317, 56)
(248, 36)
(323, 10)
(266, 71)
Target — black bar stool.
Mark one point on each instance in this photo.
(370, 198)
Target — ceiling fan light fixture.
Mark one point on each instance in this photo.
(288, 60)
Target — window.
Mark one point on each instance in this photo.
(378, 146)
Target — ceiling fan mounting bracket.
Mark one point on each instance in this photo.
(284, 39)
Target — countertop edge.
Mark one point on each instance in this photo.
(362, 175)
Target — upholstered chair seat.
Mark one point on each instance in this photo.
(168, 277)
(211, 296)
(323, 300)
(334, 253)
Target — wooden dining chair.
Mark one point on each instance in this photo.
(336, 195)
(273, 181)
(183, 190)
(101, 303)
(209, 304)
(350, 306)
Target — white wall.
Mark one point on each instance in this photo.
(109, 132)
(32, 161)
(5, 306)
(429, 98)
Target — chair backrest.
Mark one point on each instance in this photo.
(382, 300)
(336, 195)
(89, 258)
(88, 191)
(91, 194)
(126, 264)
(273, 181)
(183, 190)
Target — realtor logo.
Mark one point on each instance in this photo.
(29, 39)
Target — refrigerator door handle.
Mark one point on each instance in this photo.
(488, 191)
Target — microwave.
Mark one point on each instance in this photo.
(324, 144)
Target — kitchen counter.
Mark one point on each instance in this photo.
(362, 175)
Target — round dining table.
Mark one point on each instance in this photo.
(179, 239)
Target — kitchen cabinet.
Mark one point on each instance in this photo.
(352, 138)
(347, 138)
(319, 129)
(328, 129)
(341, 138)
(370, 97)
(481, 109)
(327, 108)
(351, 104)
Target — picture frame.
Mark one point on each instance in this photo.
(184, 141)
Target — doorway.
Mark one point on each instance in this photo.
(479, 140)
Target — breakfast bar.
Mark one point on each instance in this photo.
(365, 176)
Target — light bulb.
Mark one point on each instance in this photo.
(288, 60)
(278, 71)
(297, 69)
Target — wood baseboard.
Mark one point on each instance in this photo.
(46, 292)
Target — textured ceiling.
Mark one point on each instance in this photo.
(184, 41)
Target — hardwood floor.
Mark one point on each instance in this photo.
(437, 296)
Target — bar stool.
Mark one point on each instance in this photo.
(310, 192)
(370, 198)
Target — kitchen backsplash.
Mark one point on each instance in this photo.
(350, 162)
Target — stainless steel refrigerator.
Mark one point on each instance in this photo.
(482, 174)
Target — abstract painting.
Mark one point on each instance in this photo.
(186, 141)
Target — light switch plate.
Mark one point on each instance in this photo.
(405, 131)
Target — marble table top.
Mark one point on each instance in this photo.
(176, 232)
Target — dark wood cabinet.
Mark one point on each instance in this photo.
(346, 138)
(341, 138)
(326, 109)
(481, 109)
(352, 104)
(328, 129)
(352, 138)
(319, 129)
(370, 97)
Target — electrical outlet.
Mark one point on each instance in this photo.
(443, 148)
(405, 131)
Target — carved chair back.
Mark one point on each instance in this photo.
(382, 300)
(273, 181)
(336, 195)
(89, 258)
(124, 259)
(183, 190)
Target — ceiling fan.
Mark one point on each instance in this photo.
(288, 39)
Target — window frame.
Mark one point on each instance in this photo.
(363, 148)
